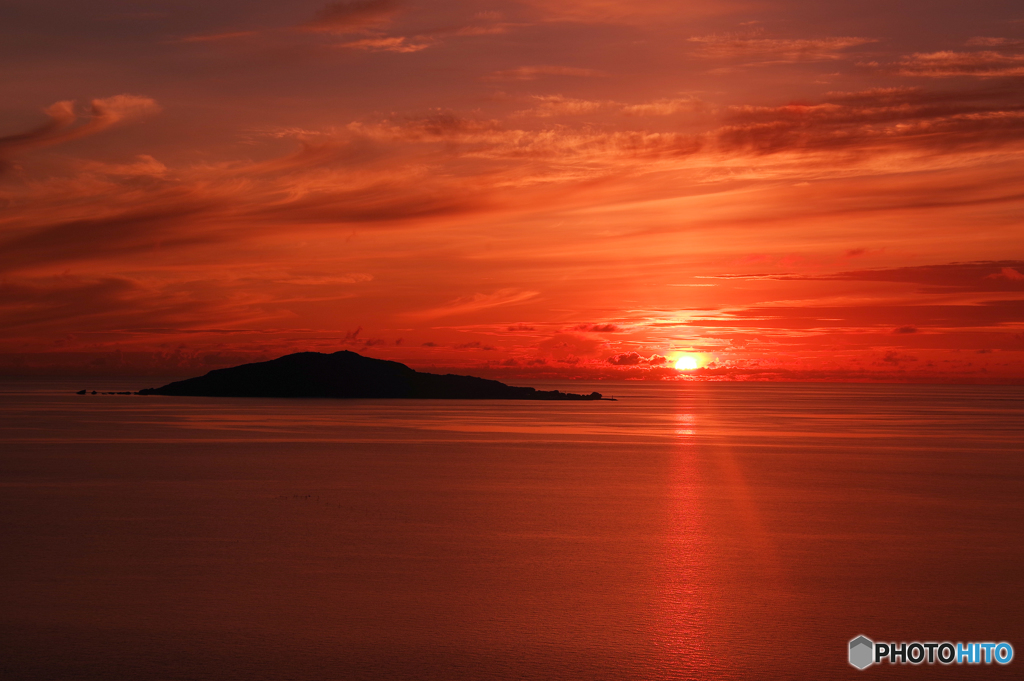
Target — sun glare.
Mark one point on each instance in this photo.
(686, 363)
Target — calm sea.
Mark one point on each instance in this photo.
(685, 531)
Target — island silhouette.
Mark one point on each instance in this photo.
(348, 374)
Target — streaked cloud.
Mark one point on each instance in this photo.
(102, 114)
(597, 328)
(980, 276)
(543, 189)
(548, 106)
(665, 107)
(982, 41)
(946, 64)
(627, 11)
(870, 119)
(535, 72)
(636, 359)
(352, 15)
(392, 44)
(218, 37)
(477, 302)
(756, 48)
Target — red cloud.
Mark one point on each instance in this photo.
(597, 328)
(986, 64)
(353, 15)
(535, 72)
(877, 120)
(785, 50)
(1008, 273)
(635, 359)
(103, 113)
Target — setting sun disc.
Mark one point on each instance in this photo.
(686, 363)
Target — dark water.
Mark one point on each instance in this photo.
(682, 532)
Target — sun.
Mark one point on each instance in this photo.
(686, 363)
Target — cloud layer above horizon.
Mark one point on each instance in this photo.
(585, 189)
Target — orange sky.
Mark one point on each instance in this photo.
(517, 189)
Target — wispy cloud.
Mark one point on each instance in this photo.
(217, 37)
(628, 11)
(91, 305)
(352, 15)
(116, 209)
(485, 29)
(477, 302)
(966, 277)
(535, 72)
(636, 359)
(144, 166)
(983, 64)
(756, 48)
(557, 105)
(961, 277)
(1006, 43)
(323, 279)
(880, 316)
(877, 119)
(665, 107)
(391, 44)
(102, 114)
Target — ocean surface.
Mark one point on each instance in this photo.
(685, 531)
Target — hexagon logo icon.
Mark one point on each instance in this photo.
(861, 652)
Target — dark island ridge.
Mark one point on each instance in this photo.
(347, 374)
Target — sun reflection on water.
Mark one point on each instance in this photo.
(686, 589)
(721, 574)
(685, 425)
